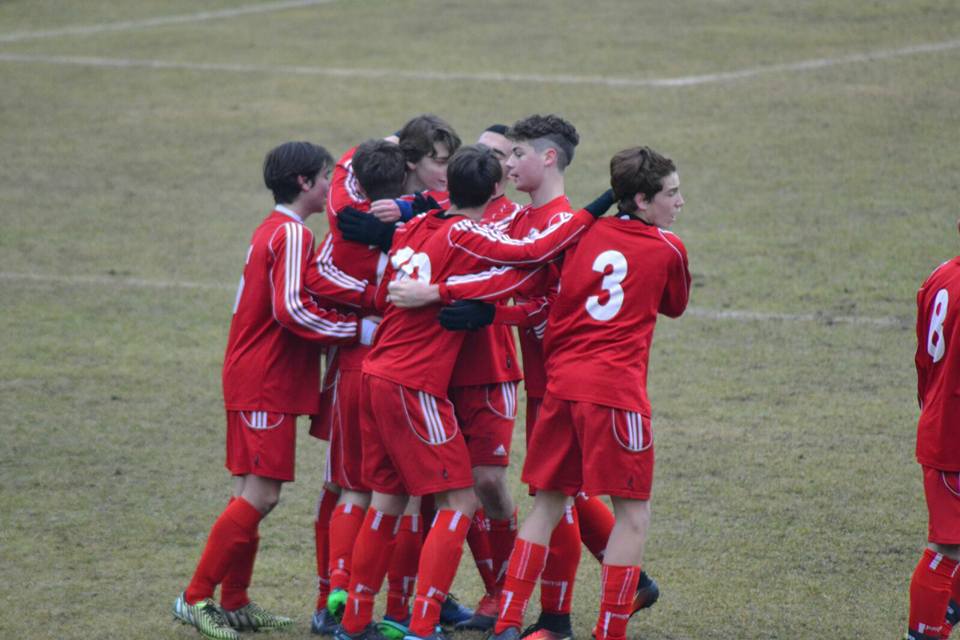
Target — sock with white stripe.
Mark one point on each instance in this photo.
(371, 556)
(930, 589)
(526, 565)
(438, 565)
(618, 586)
(560, 572)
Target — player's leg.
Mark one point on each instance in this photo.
(933, 578)
(558, 580)
(402, 571)
(322, 622)
(621, 567)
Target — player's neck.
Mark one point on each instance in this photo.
(550, 189)
(474, 213)
(300, 209)
(413, 185)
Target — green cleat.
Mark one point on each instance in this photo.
(206, 617)
(336, 603)
(253, 617)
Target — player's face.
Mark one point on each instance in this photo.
(525, 167)
(431, 171)
(502, 148)
(663, 209)
(316, 193)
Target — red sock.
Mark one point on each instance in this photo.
(525, 567)
(478, 538)
(930, 590)
(618, 585)
(596, 523)
(326, 503)
(953, 608)
(344, 525)
(560, 572)
(370, 560)
(438, 565)
(404, 559)
(229, 537)
(502, 536)
(233, 589)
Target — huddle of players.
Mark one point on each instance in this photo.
(420, 228)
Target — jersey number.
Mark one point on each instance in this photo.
(410, 264)
(614, 260)
(936, 345)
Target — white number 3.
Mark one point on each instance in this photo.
(611, 284)
(936, 345)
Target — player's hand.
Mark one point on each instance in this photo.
(599, 206)
(385, 210)
(422, 203)
(357, 226)
(411, 294)
(466, 315)
(368, 329)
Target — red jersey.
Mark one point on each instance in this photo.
(272, 362)
(411, 348)
(613, 283)
(938, 368)
(489, 356)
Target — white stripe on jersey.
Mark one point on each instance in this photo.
(291, 295)
(663, 236)
(491, 274)
(329, 271)
(493, 234)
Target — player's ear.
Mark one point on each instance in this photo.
(640, 200)
(549, 157)
(305, 183)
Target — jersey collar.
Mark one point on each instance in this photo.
(287, 211)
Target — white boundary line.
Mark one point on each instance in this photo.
(711, 314)
(83, 30)
(608, 81)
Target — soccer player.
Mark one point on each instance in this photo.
(270, 376)
(411, 441)
(935, 581)
(377, 171)
(595, 415)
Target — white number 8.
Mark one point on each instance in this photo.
(610, 284)
(936, 345)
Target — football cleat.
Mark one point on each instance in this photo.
(550, 626)
(452, 612)
(322, 623)
(647, 593)
(206, 617)
(370, 632)
(510, 633)
(484, 616)
(436, 635)
(253, 617)
(336, 603)
(395, 629)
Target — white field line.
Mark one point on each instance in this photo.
(421, 75)
(83, 30)
(711, 314)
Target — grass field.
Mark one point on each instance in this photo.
(817, 146)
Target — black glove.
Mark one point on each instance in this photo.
(599, 206)
(364, 228)
(466, 315)
(422, 203)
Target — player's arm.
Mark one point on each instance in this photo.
(488, 243)
(676, 294)
(922, 359)
(293, 306)
(327, 280)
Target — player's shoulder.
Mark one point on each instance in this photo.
(946, 274)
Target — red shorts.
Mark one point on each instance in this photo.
(320, 423)
(942, 489)
(345, 452)
(262, 443)
(581, 446)
(411, 442)
(533, 410)
(486, 414)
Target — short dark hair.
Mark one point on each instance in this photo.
(380, 168)
(638, 170)
(418, 136)
(502, 129)
(472, 176)
(285, 163)
(547, 131)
